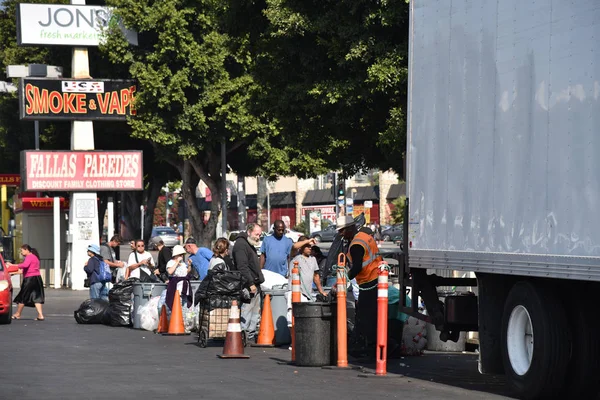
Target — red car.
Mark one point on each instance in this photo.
(6, 292)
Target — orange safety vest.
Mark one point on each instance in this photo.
(370, 261)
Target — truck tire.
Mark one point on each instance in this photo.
(583, 379)
(535, 341)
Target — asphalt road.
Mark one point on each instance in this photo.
(59, 359)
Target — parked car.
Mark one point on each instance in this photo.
(394, 233)
(6, 292)
(166, 233)
(326, 235)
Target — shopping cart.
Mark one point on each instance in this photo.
(214, 296)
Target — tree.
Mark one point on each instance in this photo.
(334, 74)
(193, 66)
(398, 211)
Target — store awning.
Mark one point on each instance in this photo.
(325, 196)
(396, 190)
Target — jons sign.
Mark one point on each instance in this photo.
(61, 24)
(81, 170)
(52, 99)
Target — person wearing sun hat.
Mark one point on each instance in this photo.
(176, 266)
(98, 290)
(179, 277)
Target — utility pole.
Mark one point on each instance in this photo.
(241, 203)
(167, 204)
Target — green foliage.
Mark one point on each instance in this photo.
(335, 74)
(398, 211)
(301, 227)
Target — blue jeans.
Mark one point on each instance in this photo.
(250, 316)
(99, 290)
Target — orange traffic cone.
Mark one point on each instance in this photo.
(234, 347)
(176, 327)
(163, 321)
(266, 334)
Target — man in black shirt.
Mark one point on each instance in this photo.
(164, 255)
(247, 262)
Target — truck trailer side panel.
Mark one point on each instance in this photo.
(504, 137)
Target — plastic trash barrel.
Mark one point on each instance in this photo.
(279, 312)
(313, 334)
(142, 293)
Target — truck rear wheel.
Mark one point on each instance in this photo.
(535, 341)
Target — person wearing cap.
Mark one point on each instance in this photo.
(364, 267)
(199, 257)
(98, 290)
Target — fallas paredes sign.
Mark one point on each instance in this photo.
(71, 99)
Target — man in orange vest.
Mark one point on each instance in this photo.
(364, 262)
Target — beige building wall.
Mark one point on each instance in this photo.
(303, 186)
(386, 180)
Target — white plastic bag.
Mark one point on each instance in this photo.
(149, 314)
(190, 318)
(272, 279)
(414, 337)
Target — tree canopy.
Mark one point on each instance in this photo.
(293, 87)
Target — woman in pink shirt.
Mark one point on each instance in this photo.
(32, 289)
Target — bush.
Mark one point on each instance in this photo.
(301, 227)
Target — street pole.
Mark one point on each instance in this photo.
(335, 195)
(142, 220)
(167, 206)
(241, 203)
(224, 189)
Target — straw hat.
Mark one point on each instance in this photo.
(178, 250)
(345, 222)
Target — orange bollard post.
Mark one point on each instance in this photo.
(296, 298)
(382, 320)
(342, 329)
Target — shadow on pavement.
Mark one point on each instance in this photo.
(453, 369)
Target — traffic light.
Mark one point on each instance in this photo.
(341, 189)
(170, 202)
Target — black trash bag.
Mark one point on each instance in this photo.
(220, 282)
(148, 278)
(91, 311)
(217, 301)
(120, 299)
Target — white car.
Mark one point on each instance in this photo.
(294, 235)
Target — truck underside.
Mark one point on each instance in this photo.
(542, 333)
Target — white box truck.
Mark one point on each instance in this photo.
(503, 175)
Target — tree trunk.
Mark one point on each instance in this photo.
(131, 214)
(102, 205)
(153, 192)
(261, 201)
